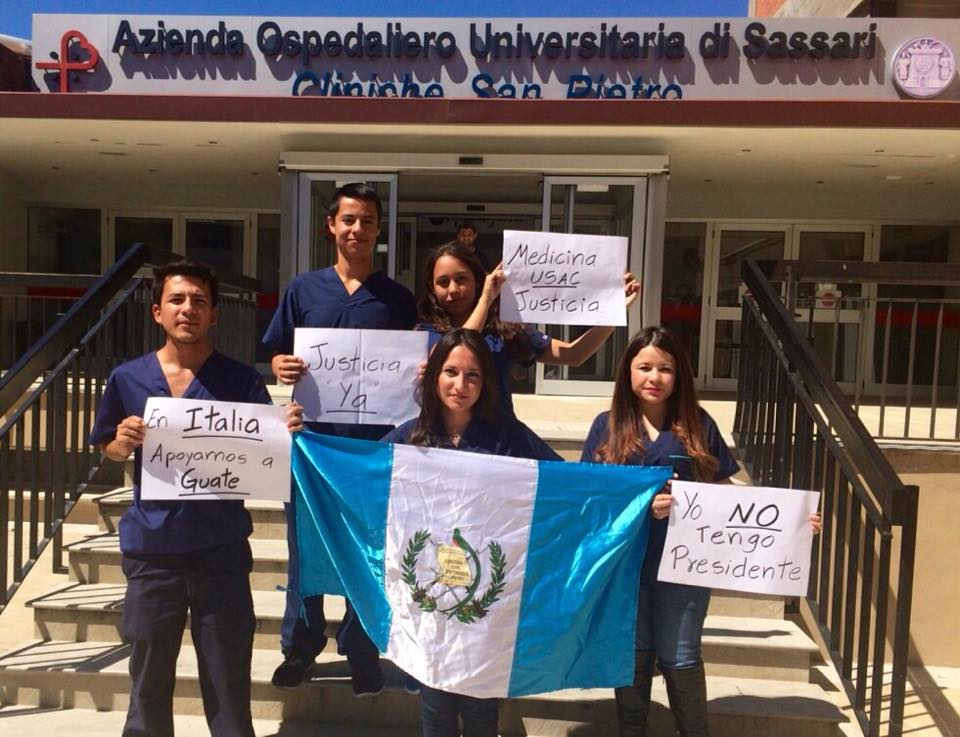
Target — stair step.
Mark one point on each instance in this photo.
(269, 521)
(733, 646)
(30, 721)
(97, 560)
(93, 675)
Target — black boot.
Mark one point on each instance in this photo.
(687, 691)
(633, 702)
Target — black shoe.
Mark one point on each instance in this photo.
(410, 684)
(291, 672)
(367, 682)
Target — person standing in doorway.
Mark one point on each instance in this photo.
(183, 556)
(349, 294)
(467, 237)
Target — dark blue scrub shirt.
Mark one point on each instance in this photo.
(666, 450)
(318, 299)
(502, 358)
(507, 437)
(169, 527)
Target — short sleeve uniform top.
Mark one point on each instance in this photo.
(508, 437)
(502, 358)
(666, 450)
(318, 299)
(169, 527)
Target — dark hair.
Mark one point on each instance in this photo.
(185, 267)
(355, 191)
(430, 422)
(625, 434)
(466, 225)
(431, 311)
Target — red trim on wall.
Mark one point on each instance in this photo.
(721, 113)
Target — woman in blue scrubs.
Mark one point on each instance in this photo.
(460, 410)
(655, 420)
(459, 293)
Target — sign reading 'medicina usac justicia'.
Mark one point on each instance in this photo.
(642, 59)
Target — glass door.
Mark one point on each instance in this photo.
(730, 245)
(833, 315)
(593, 206)
(314, 246)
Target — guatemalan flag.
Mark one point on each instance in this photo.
(478, 574)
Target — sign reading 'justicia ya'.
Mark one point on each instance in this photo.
(587, 58)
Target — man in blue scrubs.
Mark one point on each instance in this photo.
(180, 556)
(349, 294)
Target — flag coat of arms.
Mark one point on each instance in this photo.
(477, 574)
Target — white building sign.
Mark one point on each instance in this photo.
(642, 59)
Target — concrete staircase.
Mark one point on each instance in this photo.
(758, 662)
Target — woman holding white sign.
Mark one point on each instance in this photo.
(459, 293)
(655, 420)
(459, 410)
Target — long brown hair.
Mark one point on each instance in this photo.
(432, 312)
(430, 421)
(625, 434)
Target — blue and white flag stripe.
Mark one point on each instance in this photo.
(478, 574)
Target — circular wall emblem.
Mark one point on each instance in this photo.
(924, 67)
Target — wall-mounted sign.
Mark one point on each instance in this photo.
(924, 67)
(642, 59)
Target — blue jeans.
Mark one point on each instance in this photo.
(670, 622)
(439, 711)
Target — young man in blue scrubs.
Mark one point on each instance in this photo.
(180, 556)
(349, 294)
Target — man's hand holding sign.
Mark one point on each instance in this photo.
(741, 538)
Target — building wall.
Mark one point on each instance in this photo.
(13, 225)
(932, 635)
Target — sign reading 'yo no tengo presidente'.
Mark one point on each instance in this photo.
(202, 449)
(562, 279)
(359, 377)
(741, 538)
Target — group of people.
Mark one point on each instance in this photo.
(194, 556)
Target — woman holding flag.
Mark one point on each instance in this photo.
(655, 420)
(459, 410)
(458, 293)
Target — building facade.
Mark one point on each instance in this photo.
(703, 141)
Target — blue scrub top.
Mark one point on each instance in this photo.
(663, 452)
(503, 360)
(170, 527)
(507, 437)
(318, 299)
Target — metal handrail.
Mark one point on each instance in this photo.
(48, 399)
(68, 329)
(795, 429)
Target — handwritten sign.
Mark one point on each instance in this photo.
(359, 377)
(562, 279)
(200, 449)
(743, 538)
